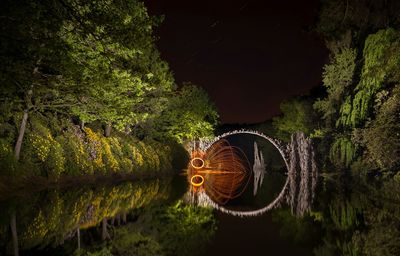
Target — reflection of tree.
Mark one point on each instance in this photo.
(67, 211)
(354, 219)
(13, 225)
(176, 229)
(364, 222)
(302, 231)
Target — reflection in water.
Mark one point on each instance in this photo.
(352, 217)
(258, 169)
(127, 219)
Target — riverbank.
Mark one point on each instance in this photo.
(66, 154)
(23, 186)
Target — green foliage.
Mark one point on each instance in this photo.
(32, 56)
(130, 243)
(297, 115)
(299, 230)
(343, 152)
(383, 234)
(160, 229)
(343, 215)
(103, 252)
(381, 137)
(364, 221)
(180, 229)
(337, 77)
(380, 240)
(348, 248)
(117, 62)
(189, 115)
(356, 91)
(381, 64)
(94, 63)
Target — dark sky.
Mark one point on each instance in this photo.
(248, 55)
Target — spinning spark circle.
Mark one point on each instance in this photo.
(222, 171)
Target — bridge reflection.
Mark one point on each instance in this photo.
(219, 172)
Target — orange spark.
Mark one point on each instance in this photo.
(222, 171)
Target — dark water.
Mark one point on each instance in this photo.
(149, 218)
(47, 223)
(255, 235)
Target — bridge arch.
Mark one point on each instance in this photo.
(205, 200)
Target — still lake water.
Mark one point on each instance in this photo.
(149, 218)
(47, 223)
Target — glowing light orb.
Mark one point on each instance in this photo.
(194, 181)
(222, 171)
(197, 163)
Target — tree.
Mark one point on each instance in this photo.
(381, 137)
(338, 77)
(297, 115)
(31, 57)
(361, 16)
(93, 60)
(189, 114)
(381, 64)
(121, 69)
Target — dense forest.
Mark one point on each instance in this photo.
(354, 120)
(84, 91)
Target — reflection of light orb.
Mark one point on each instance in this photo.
(197, 163)
(194, 182)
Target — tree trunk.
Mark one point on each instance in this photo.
(78, 234)
(21, 134)
(104, 234)
(13, 225)
(107, 131)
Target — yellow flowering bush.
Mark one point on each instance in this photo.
(7, 160)
(35, 231)
(108, 157)
(77, 157)
(41, 145)
(49, 152)
(94, 148)
(72, 150)
(56, 159)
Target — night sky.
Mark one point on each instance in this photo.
(248, 55)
